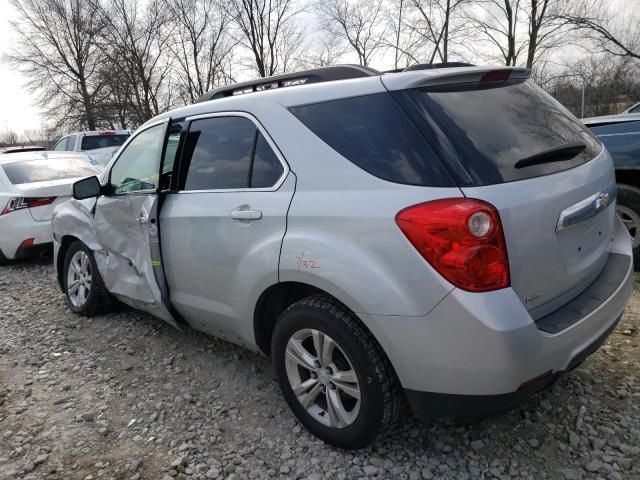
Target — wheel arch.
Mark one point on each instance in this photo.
(276, 299)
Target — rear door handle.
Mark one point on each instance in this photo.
(246, 214)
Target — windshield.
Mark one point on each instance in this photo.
(91, 142)
(488, 129)
(43, 170)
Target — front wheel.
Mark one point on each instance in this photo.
(628, 209)
(85, 292)
(333, 374)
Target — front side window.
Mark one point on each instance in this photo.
(223, 153)
(61, 146)
(635, 109)
(137, 166)
(71, 143)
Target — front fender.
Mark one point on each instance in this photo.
(74, 219)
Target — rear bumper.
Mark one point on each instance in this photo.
(18, 226)
(438, 405)
(476, 350)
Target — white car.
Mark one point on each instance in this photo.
(32, 184)
(100, 145)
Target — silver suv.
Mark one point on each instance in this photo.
(439, 238)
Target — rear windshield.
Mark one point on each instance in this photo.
(91, 142)
(483, 131)
(43, 170)
(375, 134)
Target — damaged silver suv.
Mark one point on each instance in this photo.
(442, 238)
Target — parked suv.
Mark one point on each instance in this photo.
(99, 145)
(444, 238)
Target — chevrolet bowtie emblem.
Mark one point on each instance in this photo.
(602, 201)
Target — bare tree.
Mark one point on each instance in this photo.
(57, 51)
(439, 23)
(407, 44)
(521, 28)
(610, 32)
(201, 46)
(8, 138)
(359, 23)
(268, 29)
(498, 21)
(135, 41)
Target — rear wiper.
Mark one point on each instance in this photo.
(556, 154)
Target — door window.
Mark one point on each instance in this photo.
(137, 166)
(267, 169)
(223, 153)
(218, 153)
(71, 143)
(61, 146)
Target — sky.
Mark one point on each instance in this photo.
(18, 111)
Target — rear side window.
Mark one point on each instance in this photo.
(489, 128)
(373, 132)
(222, 153)
(267, 169)
(43, 170)
(92, 142)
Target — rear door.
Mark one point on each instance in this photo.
(223, 227)
(126, 225)
(512, 145)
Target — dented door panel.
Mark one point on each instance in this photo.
(126, 228)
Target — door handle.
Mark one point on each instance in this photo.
(246, 214)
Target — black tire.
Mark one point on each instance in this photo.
(629, 211)
(3, 260)
(381, 396)
(99, 300)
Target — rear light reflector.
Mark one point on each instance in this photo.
(28, 243)
(18, 203)
(462, 239)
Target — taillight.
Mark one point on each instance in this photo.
(462, 239)
(19, 203)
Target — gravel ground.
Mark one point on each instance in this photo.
(123, 396)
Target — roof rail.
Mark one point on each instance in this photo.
(429, 66)
(316, 75)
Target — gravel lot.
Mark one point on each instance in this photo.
(125, 397)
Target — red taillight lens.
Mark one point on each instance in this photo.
(19, 203)
(462, 239)
(39, 201)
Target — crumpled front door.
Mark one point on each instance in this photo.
(127, 228)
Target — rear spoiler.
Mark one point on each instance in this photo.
(452, 76)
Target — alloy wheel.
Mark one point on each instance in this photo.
(631, 220)
(79, 279)
(322, 378)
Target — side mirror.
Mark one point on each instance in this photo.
(87, 188)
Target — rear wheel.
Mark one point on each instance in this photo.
(628, 209)
(83, 286)
(333, 374)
